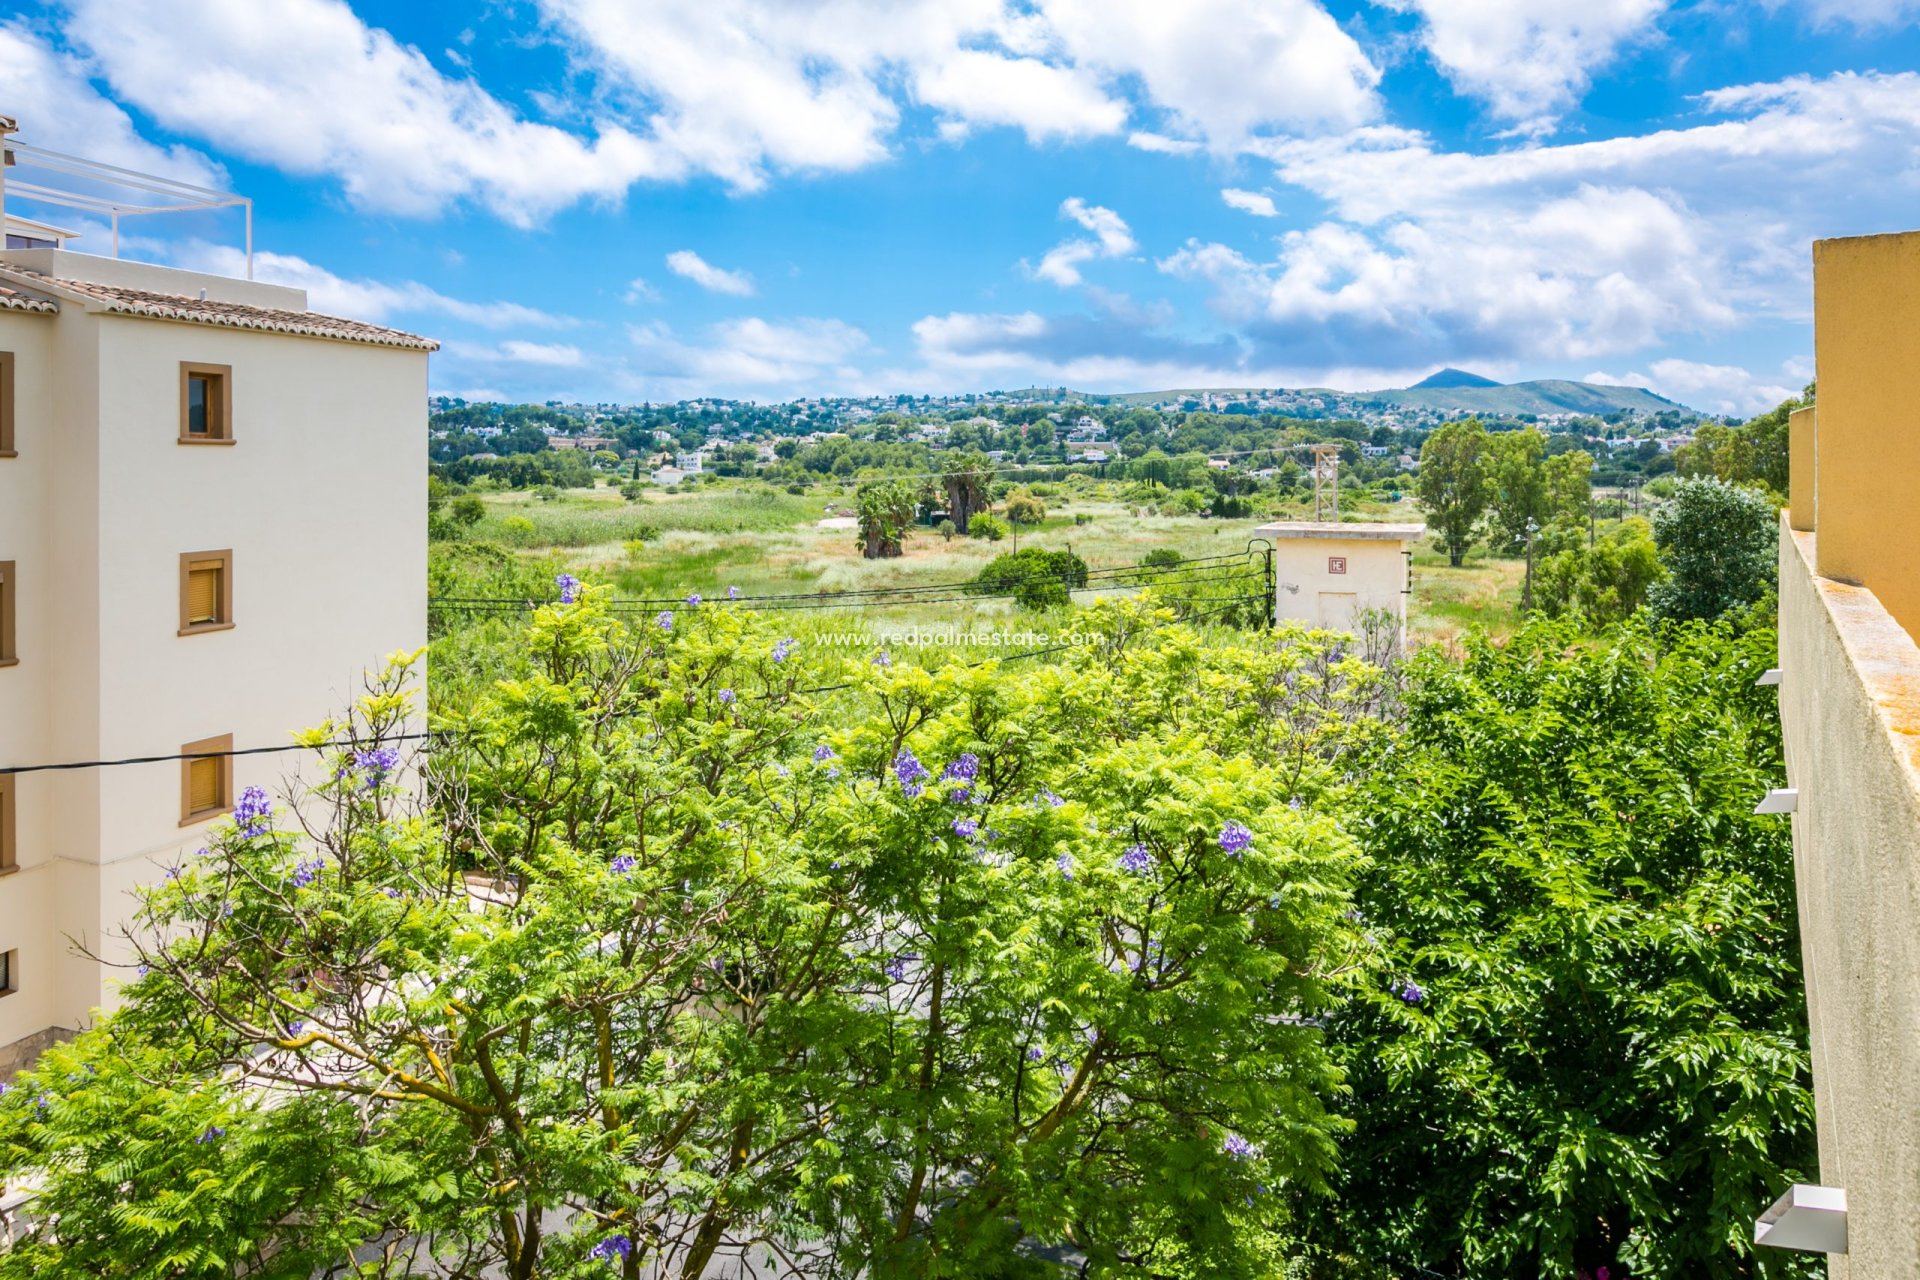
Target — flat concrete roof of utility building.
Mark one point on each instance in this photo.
(1325, 529)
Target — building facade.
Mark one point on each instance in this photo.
(1850, 718)
(1328, 575)
(211, 525)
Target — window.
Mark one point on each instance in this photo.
(206, 779)
(6, 404)
(9, 823)
(206, 400)
(206, 591)
(9, 972)
(9, 605)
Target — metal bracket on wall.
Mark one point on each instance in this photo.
(1809, 1218)
(1782, 800)
(1771, 676)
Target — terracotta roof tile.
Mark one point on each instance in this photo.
(233, 315)
(14, 300)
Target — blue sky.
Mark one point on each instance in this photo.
(656, 199)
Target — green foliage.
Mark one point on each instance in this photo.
(1605, 583)
(987, 525)
(946, 530)
(1453, 484)
(468, 510)
(886, 510)
(1601, 1058)
(1161, 558)
(1035, 578)
(1516, 487)
(1754, 453)
(1718, 542)
(736, 969)
(1025, 508)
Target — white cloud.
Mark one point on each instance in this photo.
(1716, 388)
(749, 357)
(638, 291)
(1866, 15)
(1143, 140)
(685, 262)
(1528, 59)
(1111, 239)
(374, 301)
(546, 355)
(58, 108)
(306, 86)
(1249, 202)
(1225, 70)
(1046, 102)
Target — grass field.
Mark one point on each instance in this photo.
(764, 541)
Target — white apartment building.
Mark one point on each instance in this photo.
(211, 525)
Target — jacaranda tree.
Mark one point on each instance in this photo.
(704, 947)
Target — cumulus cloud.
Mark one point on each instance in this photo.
(1249, 202)
(545, 355)
(638, 291)
(1111, 239)
(748, 357)
(375, 301)
(1716, 388)
(50, 93)
(1527, 59)
(306, 86)
(685, 262)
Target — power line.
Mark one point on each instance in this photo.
(434, 734)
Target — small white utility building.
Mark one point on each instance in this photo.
(1326, 573)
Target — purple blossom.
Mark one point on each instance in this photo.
(173, 873)
(1408, 990)
(896, 968)
(1235, 838)
(960, 795)
(694, 600)
(569, 587)
(611, 1249)
(377, 763)
(1065, 863)
(213, 1132)
(965, 769)
(726, 697)
(1136, 859)
(1237, 1147)
(391, 892)
(733, 593)
(295, 1027)
(623, 865)
(665, 620)
(966, 828)
(823, 752)
(251, 814)
(882, 659)
(1035, 1053)
(907, 768)
(1049, 799)
(784, 649)
(305, 873)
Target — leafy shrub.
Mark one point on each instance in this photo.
(1718, 542)
(633, 491)
(987, 525)
(1036, 578)
(946, 530)
(1160, 558)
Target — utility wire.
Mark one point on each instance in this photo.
(432, 734)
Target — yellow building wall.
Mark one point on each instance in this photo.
(1866, 317)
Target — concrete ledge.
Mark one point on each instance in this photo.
(1850, 719)
(1333, 529)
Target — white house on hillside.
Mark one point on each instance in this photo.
(211, 525)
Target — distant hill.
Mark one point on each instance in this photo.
(1452, 378)
(1550, 395)
(1447, 391)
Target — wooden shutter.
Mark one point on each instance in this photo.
(203, 785)
(203, 593)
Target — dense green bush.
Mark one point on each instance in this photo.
(1035, 578)
(1719, 543)
(1588, 1049)
(987, 525)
